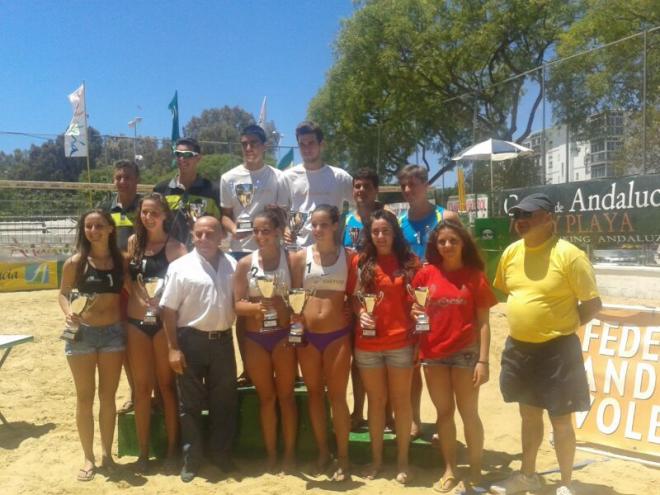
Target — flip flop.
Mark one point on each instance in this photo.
(127, 407)
(340, 475)
(403, 478)
(445, 485)
(86, 474)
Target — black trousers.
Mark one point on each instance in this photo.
(209, 377)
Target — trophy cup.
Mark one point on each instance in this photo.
(297, 220)
(151, 287)
(195, 210)
(245, 195)
(421, 297)
(354, 233)
(266, 285)
(78, 302)
(369, 303)
(296, 300)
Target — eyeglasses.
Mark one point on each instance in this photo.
(517, 214)
(186, 155)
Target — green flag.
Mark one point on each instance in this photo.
(174, 108)
(286, 161)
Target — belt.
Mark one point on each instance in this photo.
(213, 335)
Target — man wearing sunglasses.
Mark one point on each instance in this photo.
(551, 290)
(188, 194)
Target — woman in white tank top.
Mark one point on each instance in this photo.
(270, 363)
(322, 269)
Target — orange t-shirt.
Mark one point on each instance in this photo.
(392, 313)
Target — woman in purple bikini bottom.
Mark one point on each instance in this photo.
(270, 363)
(322, 270)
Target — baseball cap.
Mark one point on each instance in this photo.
(535, 201)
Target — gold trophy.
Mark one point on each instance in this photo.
(369, 303)
(151, 287)
(245, 195)
(78, 302)
(297, 221)
(266, 285)
(421, 297)
(296, 301)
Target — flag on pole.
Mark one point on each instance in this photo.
(174, 108)
(75, 137)
(286, 161)
(262, 114)
(133, 123)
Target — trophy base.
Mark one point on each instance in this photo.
(368, 333)
(150, 319)
(296, 341)
(244, 227)
(422, 329)
(70, 334)
(292, 247)
(270, 325)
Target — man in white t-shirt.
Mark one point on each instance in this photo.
(313, 183)
(247, 189)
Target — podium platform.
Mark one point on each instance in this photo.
(249, 442)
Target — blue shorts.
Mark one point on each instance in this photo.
(465, 358)
(395, 358)
(91, 340)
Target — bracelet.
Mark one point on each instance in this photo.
(483, 362)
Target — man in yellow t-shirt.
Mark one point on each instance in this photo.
(551, 289)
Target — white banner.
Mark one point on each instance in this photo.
(75, 137)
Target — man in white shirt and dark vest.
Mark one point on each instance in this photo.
(197, 313)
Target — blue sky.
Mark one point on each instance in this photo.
(132, 53)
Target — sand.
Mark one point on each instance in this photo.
(40, 451)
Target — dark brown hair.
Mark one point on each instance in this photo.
(469, 254)
(140, 229)
(275, 215)
(83, 246)
(408, 262)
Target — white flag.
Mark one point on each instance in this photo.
(262, 115)
(75, 137)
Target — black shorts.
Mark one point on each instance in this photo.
(549, 375)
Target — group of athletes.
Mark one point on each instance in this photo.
(336, 256)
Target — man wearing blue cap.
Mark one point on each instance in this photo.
(551, 289)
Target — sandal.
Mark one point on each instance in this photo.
(445, 485)
(340, 475)
(403, 478)
(126, 407)
(86, 474)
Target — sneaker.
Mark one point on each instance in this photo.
(517, 483)
(564, 490)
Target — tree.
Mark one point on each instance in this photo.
(219, 129)
(433, 75)
(611, 78)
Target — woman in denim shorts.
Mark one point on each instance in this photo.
(454, 353)
(97, 268)
(384, 268)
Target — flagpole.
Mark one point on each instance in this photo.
(89, 173)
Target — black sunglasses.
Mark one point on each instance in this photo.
(185, 154)
(517, 214)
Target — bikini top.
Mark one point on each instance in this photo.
(319, 277)
(96, 281)
(281, 274)
(150, 266)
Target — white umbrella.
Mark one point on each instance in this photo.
(493, 150)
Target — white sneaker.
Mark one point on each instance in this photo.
(517, 483)
(564, 490)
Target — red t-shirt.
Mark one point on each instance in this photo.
(392, 314)
(454, 298)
